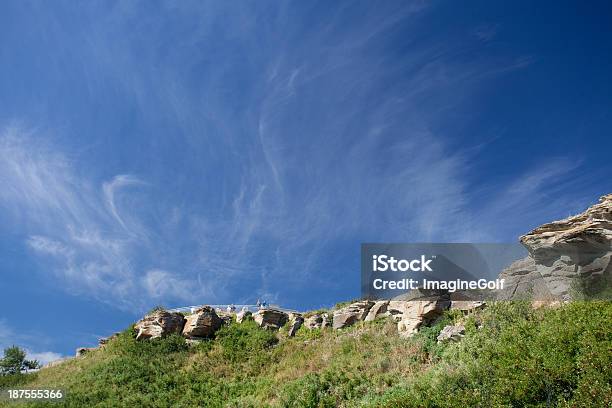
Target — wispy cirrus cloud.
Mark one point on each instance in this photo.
(317, 144)
(114, 187)
(269, 150)
(79, 227)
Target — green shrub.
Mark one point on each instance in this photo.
(15, 380)
(521, 357)
(241, 342)
(328, 389)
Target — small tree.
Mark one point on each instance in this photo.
(14, 361)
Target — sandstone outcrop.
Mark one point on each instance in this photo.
(327, 320)
(158, 324)
(203, 323)
(270, 318)
(352, 313)
(317, 321)
(417, 308)
(567, 258)
(451, 333)
(419, 313)
(226, 318)
(377, 310)
(522, 280)
(295, 322)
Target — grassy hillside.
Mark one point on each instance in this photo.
(512, 356)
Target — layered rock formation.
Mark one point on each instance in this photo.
(410, 311)
(295, 322)
(417, 308)
(567, 259)
(352, 313)
(317, 321)
(271, 318)
(203, 323)
(158, 324)
(226, 318)
(378, 309)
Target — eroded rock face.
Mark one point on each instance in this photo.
(521, 279)
(317, 321)
(295, 322)
(313, 322)
(565, 257)
(158, 324)
(590, 231)
(203, 323)
(270, 318)
(352, 313)
(451, 333)
(226, 318)
(327, 320)
(378, 309)
(418, 313)
(417, 308)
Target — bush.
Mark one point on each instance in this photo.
(521, 357)
(244, 341)
(14, 380)
(328, 389)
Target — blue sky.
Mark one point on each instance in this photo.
(182, 153)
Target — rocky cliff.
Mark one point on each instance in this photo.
(567, 259)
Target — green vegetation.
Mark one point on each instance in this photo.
(520, 358)
(511, 356)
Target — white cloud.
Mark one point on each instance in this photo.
(112, 187)
(91, 240)
(44, 357)
(36, 181)
(162, 284)
(8, 338)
